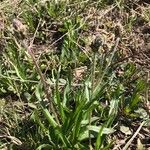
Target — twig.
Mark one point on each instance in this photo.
(110, 61)
(132, 138)
(92, 89)
(42, 77)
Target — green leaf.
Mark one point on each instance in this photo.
(135, 100)
(39, 91)
(45, 147)
(58, 97)
(36, 119)
(97, 129)
(63, 138)
(77, 126)
(99, 138)
(49, 117)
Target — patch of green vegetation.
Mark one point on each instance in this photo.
(57, 91)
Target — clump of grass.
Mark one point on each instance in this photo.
(60, 112)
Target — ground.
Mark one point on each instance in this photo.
(75, 74)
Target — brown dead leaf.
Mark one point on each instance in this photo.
(19, 26)
(78, 72)
(139, 144)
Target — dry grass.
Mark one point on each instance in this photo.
(42, 42)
